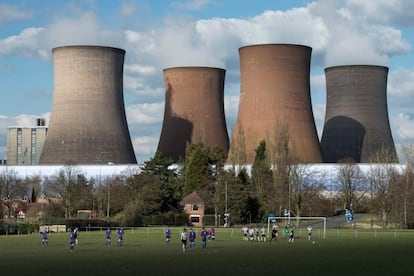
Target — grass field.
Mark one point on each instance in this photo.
(344, 252)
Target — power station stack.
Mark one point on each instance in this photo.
(356, 124)
(88, 123)
(275, 92)
(194, 110)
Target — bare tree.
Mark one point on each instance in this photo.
(305, 185)
(352, 185)
(385, 190)
(407, 151)
(8, 179)
(237, 156)
(63, 186)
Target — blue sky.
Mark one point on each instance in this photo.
(158, 34)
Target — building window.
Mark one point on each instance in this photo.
(194, 207)
(195, 219)
(33, 136)
(19, 136)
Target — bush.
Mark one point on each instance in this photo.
(170, 218)
(19, 228)
(209, 220)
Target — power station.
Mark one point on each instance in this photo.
(275, 94)
(88, 123)
(194, 110)
(356, 124)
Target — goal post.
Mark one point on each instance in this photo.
(289, 220)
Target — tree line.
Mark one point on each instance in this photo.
(274, 183)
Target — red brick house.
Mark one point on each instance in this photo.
(196, 205)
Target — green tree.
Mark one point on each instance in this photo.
(262, 180)
(170, 190)
(202, 168)
(281, 156)
(242, 203)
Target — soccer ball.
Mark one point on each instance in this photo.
(314, 242)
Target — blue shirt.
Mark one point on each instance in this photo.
(192, 236)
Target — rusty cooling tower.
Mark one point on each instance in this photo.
(275, 92)
(88, 123)
(194, 110)
(356, 121)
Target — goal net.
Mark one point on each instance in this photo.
(300, 224)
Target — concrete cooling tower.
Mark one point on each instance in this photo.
(356, 122)
(194, 110)
(88, 123)
(275, 92)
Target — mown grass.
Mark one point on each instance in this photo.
(344, 252)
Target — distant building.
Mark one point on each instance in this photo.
(25, 144)
(196, 206)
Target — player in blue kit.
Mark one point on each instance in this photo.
(72, 240)
(45, 238)
(167, 235)
(203, 235)
(120, 236)
(108, 236)
(191, 238)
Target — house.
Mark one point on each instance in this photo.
(196, 205)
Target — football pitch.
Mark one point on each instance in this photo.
(144, 252)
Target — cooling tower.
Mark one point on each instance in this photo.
(88, 123)
(356, 121)
(194, 110)
(275, 92)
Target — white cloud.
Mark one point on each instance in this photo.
(144, 114)
(400, 12)
(83, 29)
(192, 4)
(145, 144)
(140, 69)
(401, 89)
(25, 44)
(318, 83)
(404, 125)
(9, 13)
(319, 117)
(127, 9)
(340, 32)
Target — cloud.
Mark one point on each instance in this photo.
(356, 40)
(192, 4)
(9, 13)
(127, 9)
(398, 12)
(25, 44)
(401, 82)
(404, 126)
(319, 117)
(401, 89)
(83, 29)
(144, 114)
(145, 144)
(145, 147)
(339, 32)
